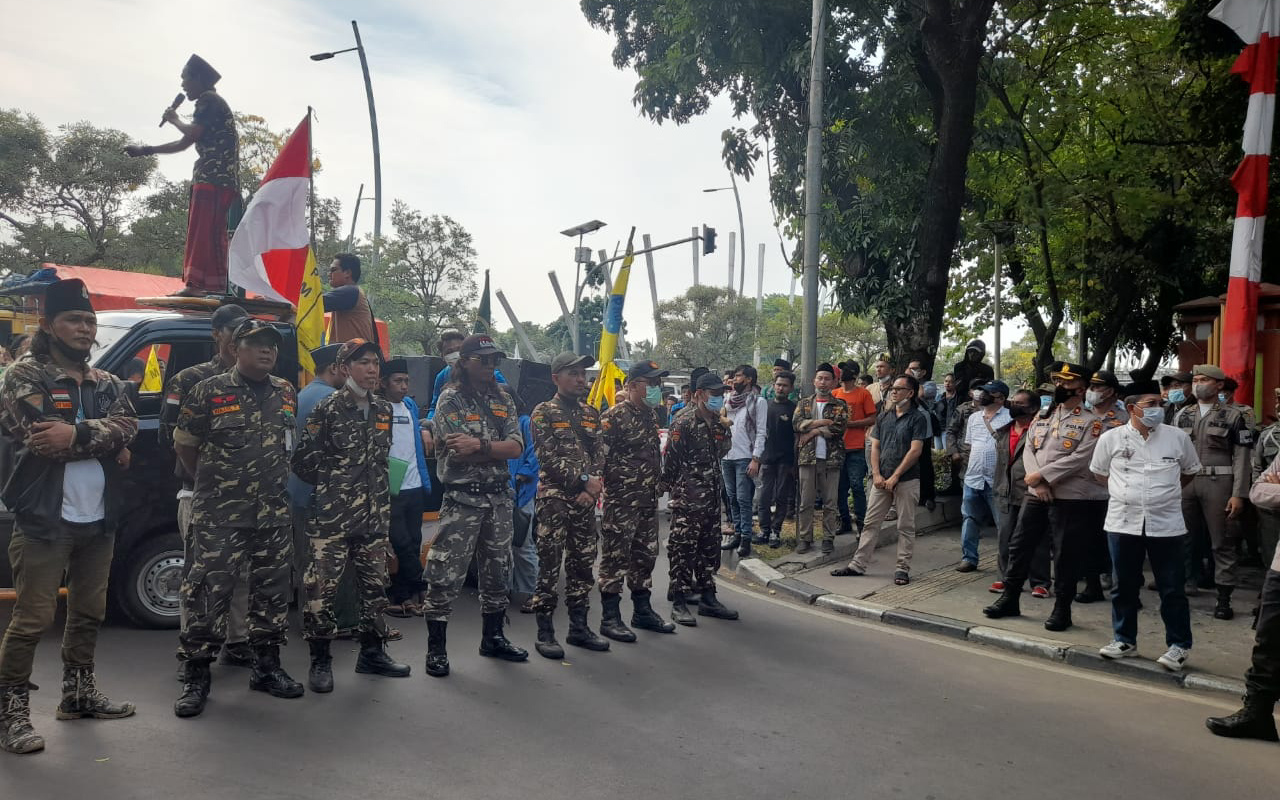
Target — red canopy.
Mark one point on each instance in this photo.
(113, 289)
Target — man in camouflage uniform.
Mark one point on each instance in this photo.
(226, 319)
(1216, 497)
(235, 434)
(477, 430)
(629, 531)
(343, 453)
(696, 443)
(71, 426)
(566, 437)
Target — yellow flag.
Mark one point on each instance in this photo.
(152, 380)
(310, 316)
(602, 390)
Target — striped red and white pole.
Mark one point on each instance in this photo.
(1257, 23)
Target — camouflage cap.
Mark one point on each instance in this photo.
(1209, 371)
(353, 349)
(257, 328)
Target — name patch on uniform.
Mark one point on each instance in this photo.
(382, 426)
(586, 423)
(498, 409)
(226, 409)
(559, 424)
(474, 418)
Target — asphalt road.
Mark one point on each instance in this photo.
(787, 702)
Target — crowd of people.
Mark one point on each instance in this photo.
(1083, 479)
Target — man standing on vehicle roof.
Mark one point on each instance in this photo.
(235, 434)
(225, 321)
(71, 425)
(347, 304)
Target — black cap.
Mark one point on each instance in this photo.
(324, 356)
(568, 359)
(353, 349)
(695, 373)
(229, 316)
(782, 362)
(480, 344)
(644, 370)
(825, 367)
(1180, 377)
(257, 328)
(1141, 387)
(66, 295)
(1107, 378)
(709, 381)
(393, 366)
(200, 68)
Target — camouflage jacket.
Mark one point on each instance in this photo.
(691, 468)
(802, 418)
(490, 415)
(243, 468)
(344, 455)
(36, 390)
(180, 386)
(566, 438)
(632, 460)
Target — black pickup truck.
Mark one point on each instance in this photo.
(146, 572)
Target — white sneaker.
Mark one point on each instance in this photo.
(1175, 659)
(1118, 650)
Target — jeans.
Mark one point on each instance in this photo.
(524, 559)
(741, 489)
(1166, 554)
(406, 542)
(853, 478)
(978, 507)
(777, 486)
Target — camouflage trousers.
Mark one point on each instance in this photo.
(628, 547)
(466, 530)
(364, 552)
(566, 535)
(693, 548)
(219, 556)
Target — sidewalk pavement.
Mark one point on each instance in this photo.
(946, 602)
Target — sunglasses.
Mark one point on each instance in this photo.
(488, 361)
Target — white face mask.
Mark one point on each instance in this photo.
(975, 395)
(1092, 398)
(452, 358)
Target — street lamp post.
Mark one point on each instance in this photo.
(742, 231)
(581, 255)
(373, 126)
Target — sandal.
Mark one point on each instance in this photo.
(393, 635)
(399, 611)
(846, 572)
(901, 578)
(412, 609)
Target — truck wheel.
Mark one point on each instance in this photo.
(152, 579)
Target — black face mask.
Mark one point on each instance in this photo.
(1062, 394)
(985, 399)
(846, 376)
(1021, 410)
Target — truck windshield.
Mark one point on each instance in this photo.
(108, 335)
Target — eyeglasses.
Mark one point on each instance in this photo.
(899, 388)
(487, 361)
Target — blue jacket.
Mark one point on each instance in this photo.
(417, 443)
(299, 491)
(442, 377)
(526, 464)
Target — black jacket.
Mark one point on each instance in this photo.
(780, 437)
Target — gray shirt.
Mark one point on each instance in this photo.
(894, 435)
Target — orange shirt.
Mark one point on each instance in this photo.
(861, 406)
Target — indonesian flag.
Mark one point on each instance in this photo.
(1257, 23)
(270, 254)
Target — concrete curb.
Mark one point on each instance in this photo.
(854, 608)
(757, 571)
(1049, 649)
(806, 593)
(918, 620)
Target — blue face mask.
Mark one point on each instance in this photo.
(715, 402)
(1045, 401)
(653, 396)
(1222, 397)
(1177, 396)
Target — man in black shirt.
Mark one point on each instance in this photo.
(778, 466)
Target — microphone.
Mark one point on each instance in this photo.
(177, 101)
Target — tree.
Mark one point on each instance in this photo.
(840, 336)
(706, 327)
(427, 279)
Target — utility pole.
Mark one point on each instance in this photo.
(653, 282)
(696, 244)
(521, 334)
(812, 200)
(732, 252)
(755, 358)
(996, 271)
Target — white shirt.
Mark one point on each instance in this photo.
(403, 429)
(982, 447)
(83, 487)
(1144, 477)
(819, 443)
(744, 446)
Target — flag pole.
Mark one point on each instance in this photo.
(311, 181)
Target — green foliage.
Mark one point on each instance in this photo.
(708, 326)
(840, 336)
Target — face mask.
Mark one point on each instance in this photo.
(846, 376)
(715, 402)
(976, 395)
(985, 399)
(1062, 394)
(355, 387)
(1222, 397)
(1153, 416)
(1045, 402)
(1093, 398)
(653, 396)
(1177, 396)
(902, 405)
(1020, 410)
(452, 358)
(1204, 391)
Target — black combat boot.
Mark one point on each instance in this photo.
(1223, 609)
(1255, 721)
(373, 658)
(611, 624)
(546, 644)
(1092, 591)
(712, 607)
(580, 633)
(268, 676)
(195, 689)
(16, 733)
(320, 676)
(1006, 605)
(239, 654)
(680, 611)
(81, 698)
(643, 616)
(494, 644)
(437, 656)
(1060, 618)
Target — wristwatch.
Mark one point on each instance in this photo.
(585, 478)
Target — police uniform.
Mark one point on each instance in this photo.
(1059, 446)
(1223, 441)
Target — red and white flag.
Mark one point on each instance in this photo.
(270, 253)
(1257, 23)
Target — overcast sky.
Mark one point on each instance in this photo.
(507, 115)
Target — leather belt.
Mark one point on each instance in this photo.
(476, 488)
(1216, 471)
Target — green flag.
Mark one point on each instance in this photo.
(483, 324)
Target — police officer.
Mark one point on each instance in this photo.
(1215, 497)
(71, 426)
(343, 453)
(477, 430)
(1063, 499)
(629, 531)
(1102, 398)
(691, 471)
(566, 437)
(235, 434)
(226, 319)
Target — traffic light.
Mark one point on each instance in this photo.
(708, 240)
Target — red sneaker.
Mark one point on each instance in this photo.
(996, 588)
(1041, 592)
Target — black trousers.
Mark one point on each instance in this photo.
(406, 542)
(1263, 677)
(1040, 569)
(1070, 524)
(777, 488)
